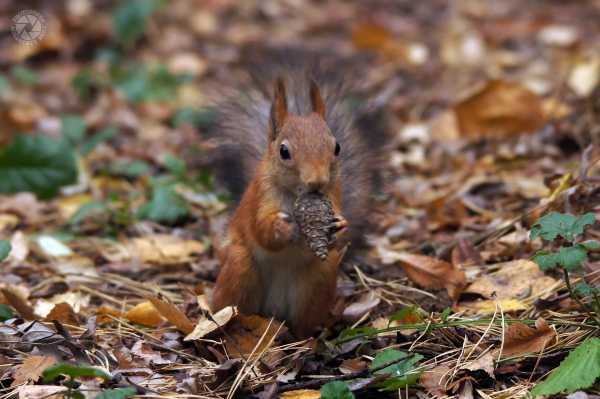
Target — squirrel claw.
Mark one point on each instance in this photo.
(338, 224)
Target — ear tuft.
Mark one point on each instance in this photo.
(279, 108)
(318, 105)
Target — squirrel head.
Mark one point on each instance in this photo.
(303, 153)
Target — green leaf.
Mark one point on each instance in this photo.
(130, 18)
(99, 137)
(579, 370)
(445, 314)
(166, 206)
(140, 83)
(117, 393)
(583, 289)
(4, 85)
(73, 371)
(336, 390)
(176, 166)
(546, 260)
(560, 224)
(5, 313)
(203, 118)
(5, 249)
(402, 374)
(131, 169)
(353, 332)
(84, 82)
(591, 245)
(24, 75)
(582, 221)
(37, 164)
(85, 210)
(73, 128)
(571, 257)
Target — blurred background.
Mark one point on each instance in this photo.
(107, 123)
(130, 87)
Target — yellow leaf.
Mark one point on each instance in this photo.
(144, 313)
(301, 394)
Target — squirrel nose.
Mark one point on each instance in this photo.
(316, 182)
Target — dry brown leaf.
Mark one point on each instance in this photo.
(165, 249)
(19, 303)
(144, 313)
(517, 279)
(76, 299)
(490, 306)
(24, 205)
(364, 305)
(205, 326)
(521, 339)
(485, 363)
(350, 366)
(173, 314)
(63, 312)
(103, 312)
(41, 392)
(435, 380)
(301, 394)
(500, 109)
(246, 332)
(432, 273)
(32, 369)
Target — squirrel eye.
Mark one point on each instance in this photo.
(284, 152)
(337, 149)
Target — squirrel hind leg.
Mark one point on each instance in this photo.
(237, 284)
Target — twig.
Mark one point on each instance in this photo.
(351, 376)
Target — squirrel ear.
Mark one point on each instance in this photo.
(315, 98)
(279, 108)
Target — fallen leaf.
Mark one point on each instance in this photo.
(485, 363)
(350, 366)
(103, 311)
(301, 394)
(521, 339)
(245, 333)
(41, 392)
(144, 313)
(500, 109)
(430, 272)
(63, 312)
(584, 76)
(24, 205)
(364, 305)
(19, 303)
(149, 355)
(173, 314)
(435, 380)
(490, 306)
(516, 279)
(31, 369)
(165, 249)
(68, 206)
(205, 325)
(76, 299)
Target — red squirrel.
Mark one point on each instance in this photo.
(266, 268)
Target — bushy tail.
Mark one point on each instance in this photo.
(243, 127)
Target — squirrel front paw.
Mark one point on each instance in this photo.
(338, 229)
(285, 228)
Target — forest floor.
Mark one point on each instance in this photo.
(110, 207)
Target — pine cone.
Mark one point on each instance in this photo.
(314, 214)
